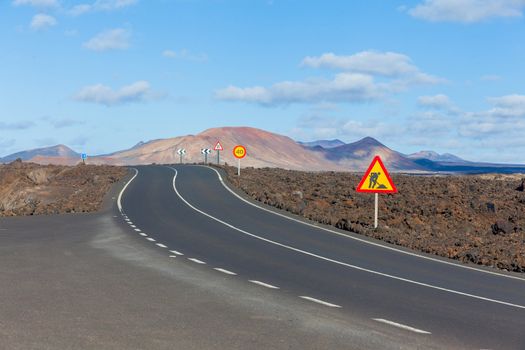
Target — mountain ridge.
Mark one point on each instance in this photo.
(265, 149)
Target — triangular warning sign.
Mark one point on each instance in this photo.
(218, 147)
(376, 179)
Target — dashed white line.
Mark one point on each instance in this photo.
(402, 326)
(143, 234)
(138, 229)
(132, 226)
(197, 261)
(151, 239)
(161, 245)
(359, 268)
(264, 284)
(176, 252)
(320, 301)
(173, 256)
(225, 271)
(381, 245)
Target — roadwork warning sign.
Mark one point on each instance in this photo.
(376, 179)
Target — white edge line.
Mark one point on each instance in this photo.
(151, 239)
(319, 301)
(225, 271)
(119, 200)
(402, 326)
(357, 238)
(263, 284)
(197, 261)
(340, 262)
(161, 245)
(138, 230)
(143, 234)
(176, 252)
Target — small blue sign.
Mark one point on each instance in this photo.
(83, 156)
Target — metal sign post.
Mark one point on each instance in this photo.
(376, 209)
(84, 157)
(218, 147)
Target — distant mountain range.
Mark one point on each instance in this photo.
(59, 154)
(322, 143)
(436, 157)
(267, 149)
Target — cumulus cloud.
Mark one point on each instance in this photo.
(357, 82)
(439, 101)
(100, 5)
(186, 55)
(466, 11)
(113, 39)
(344, 87)
(36, 3)
(42, 21)
(368, 62)
(101, 94)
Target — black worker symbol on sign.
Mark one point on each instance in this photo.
(373, 181)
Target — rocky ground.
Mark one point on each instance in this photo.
(32, 189)
(478, 219)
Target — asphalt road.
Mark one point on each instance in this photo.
(441, 302)
(187, 264)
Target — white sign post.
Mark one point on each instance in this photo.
(239, 152)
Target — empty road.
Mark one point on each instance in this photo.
(178, 260)
(189, 210)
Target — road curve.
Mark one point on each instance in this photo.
(189, 212)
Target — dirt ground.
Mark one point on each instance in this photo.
(476, 218)
(32, 189)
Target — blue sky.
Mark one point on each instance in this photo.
(101, 75)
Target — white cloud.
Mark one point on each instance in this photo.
(80, 9)
(109, 5)
(356, 83)
(101, 5)
(439, 101)
(42, 21)
(114, 39)
(466, 11)
(367, 62)
(345, 87)
(36, 3)
(185, 54)
(508, 106)
(101, 94)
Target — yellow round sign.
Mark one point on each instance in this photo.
(239, 152)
